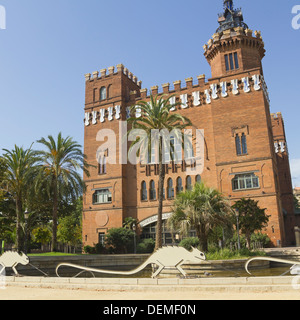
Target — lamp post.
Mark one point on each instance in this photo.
(237, 214)
(134, 238)
(26, 216)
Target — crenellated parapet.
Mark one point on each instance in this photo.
(111, 71)
(176, 86)
(233, 38)
(190, 96)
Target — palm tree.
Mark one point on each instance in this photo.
(199, 209)
(18, 176)
(156, 115)
(59, 173)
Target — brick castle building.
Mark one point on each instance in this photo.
(245, 146)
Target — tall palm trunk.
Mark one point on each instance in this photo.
(18, 224)
(158, 242)
(54, 217)
(203, 239)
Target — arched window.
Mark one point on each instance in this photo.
(144, 191)
(198, 178)
(170, 189)
(179, 187)
(108, 93)
(152, 190)
(189, 183)
(102, 93)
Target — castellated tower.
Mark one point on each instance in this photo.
(107, 95)
(234, 47)
(245, 154)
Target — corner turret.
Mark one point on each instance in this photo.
(233, 48)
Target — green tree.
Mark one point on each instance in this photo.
(251, 217)
(60, 174)
(129, 222)
(20, 172)
(156, 115)
(41, 235)
(200, 209)
(69, 231)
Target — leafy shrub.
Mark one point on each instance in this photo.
(146, 246)
(227, 254)
(188, 243)
(261, 238)
(120, 239)
(89, 250)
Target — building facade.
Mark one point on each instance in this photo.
(245, 148)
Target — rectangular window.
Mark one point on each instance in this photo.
(245, 181)
(231, 61)
(236, 60)
(238, 145)
(241, 144)
(244, 144)
(226, 62)
(102, 196)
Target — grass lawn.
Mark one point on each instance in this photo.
(227, 254)
(52, 254)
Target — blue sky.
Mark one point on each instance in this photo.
(48, 46)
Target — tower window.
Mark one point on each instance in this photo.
(170, 189)
(189, 185)
(244, 144)
(179, 187)
(241, 144)
(236, 60)
(231, 61)
(238, 145)
(144, 191)
(102, 93)
(245, 181)
(226, 62)
(152, 190)
(94, 95)
(102, 196)
(102, 165)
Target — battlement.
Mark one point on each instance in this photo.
(111, 71)
(177, 86)
(205, 92)
(276, 116)
(226, 37)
